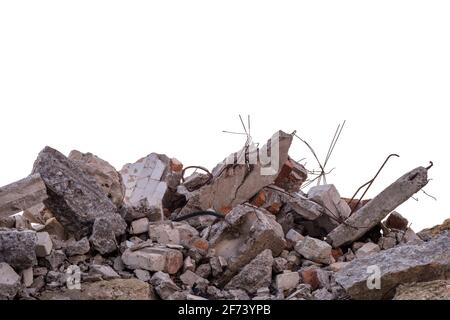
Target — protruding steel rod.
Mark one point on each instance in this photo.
(370, 182)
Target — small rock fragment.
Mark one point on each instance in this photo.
(315, 250)
(367, 250)
(44, 244)
(256, 274)
(287, 280)
(139, 226)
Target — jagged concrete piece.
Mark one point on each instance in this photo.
(150, 185)
(104, 174)
(328, 196)
(154, 259)
(9, 282)
(244, 233)
(21, 195)
(75, 198)
(255, 275)
(432, 290)
(234, 184)
(378, 208)
(403, 264)
(17, 248)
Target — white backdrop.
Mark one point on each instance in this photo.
(122, 79)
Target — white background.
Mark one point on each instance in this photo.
(123, 79)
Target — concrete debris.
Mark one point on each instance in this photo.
(164, 286)
(432, 290)
(106, 176)
(27, 277)
(235, 183)
(73, 196)
(315, 250)
(22, 195)
(379, 207)
(139, 226)
(104, 271)
(116, 289)
(251, 233)
(428, 234)
(408, 263)
(328, 197)
(150, 185)
(256, 274)
(74, 248)
(190, 279)
(172, 233)
(9, 282)
(154, 259)
(44, 244)
(244, 233)
(367, 250)
(103, 237)
(287, 281)
(17, 248)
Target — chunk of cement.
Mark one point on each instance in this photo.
(378, 208)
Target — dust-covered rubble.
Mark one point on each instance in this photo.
(244, 231)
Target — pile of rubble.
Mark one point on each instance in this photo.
(87, 231)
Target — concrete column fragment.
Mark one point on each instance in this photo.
(21, 195)
(378, 208)
(75, 198)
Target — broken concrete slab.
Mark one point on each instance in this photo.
(431, 290)
(315, 250)
(44, 244)
(17, 248)
(154, 259)
(234, 182)
(256, 274)
(75, 198)
(429, 233)
(9, 282)
(408, 263)
(21, 195)
(116, 289)
(378, 208)
(106, 176)
(327, 196)
(244, 233)
(150, 185)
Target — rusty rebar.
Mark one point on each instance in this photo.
(369, 183)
